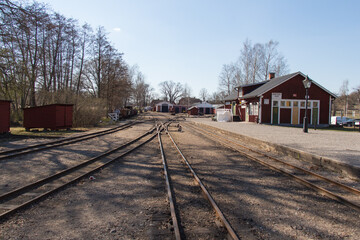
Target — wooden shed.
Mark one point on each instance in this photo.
(54, 117)
(193, 110)
(4, 116)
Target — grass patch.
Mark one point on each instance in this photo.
(39, 132)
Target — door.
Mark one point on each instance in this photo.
(295, 113)
(275, 111)
(234, 108)
(165, 108)
(315, 116)
(247, 113)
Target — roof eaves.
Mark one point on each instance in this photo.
(269, 85)
(317, 84)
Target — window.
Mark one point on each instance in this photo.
(296, 104)
(275, 103)
(282, 103)
(315, 104)
(302, 104)
(253, 109)
(288, 103)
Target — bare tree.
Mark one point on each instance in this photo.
(344, 92)
(142, 92)
(253, 65)
(217, 97)
(245, 60)
(171, 90)
(228, 78)
(186, 94)
(204, 94)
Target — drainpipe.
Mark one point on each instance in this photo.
(260, 108)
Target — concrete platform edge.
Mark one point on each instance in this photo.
(328, 163)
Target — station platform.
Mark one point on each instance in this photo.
(336, 150)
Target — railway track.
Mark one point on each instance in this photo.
(180, 187)
(24, 196)
(61, 142)
(332, 189)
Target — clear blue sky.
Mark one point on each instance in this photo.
(188, 41)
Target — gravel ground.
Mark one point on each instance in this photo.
(197, 219)
(264, 204)
(125, 201)
(341, 146)
(128, 200)
(41, 164)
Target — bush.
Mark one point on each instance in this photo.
(88, 112)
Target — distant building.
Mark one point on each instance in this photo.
(163, 107)
(188, 101)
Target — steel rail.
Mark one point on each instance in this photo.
(319, 189)
(62, 142)
(51, 178)
(168, 187)
(208, 196)
(64, 172)
(345, 187)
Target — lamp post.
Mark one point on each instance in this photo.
(307, 84)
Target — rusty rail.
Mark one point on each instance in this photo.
(208, 196)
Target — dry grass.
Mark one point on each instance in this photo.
(40, 132)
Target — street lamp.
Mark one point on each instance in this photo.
(307, 84)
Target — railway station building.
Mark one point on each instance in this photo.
(281, 101)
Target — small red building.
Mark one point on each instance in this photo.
(193, 110)
(4, 116)
(281, 100)
(54, 116)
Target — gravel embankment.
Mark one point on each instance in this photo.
(341, 146)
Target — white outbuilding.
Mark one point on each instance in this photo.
(164, 107)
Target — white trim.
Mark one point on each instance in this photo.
(310, 102)
(329, 120)
(260, 109)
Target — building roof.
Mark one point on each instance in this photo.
(164, 102)
(203, 105)
(276, 82)
(252, 84)
(232, 96)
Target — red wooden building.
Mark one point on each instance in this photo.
(281, 100)
(4, 116)
(54, 117)
(193, 110)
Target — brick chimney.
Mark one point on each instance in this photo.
(271, 75)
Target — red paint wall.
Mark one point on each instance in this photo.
(285, 115)
(295, 87)
(193, 111)
(55, 116)
(5, 116)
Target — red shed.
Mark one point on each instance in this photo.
(5, 116)
(281, 100)
(193, 110)
(54, 116)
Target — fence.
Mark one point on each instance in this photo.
(350, 114)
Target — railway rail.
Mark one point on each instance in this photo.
(61, 142)
(332, 189)
(24, 196)
(178, 229)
